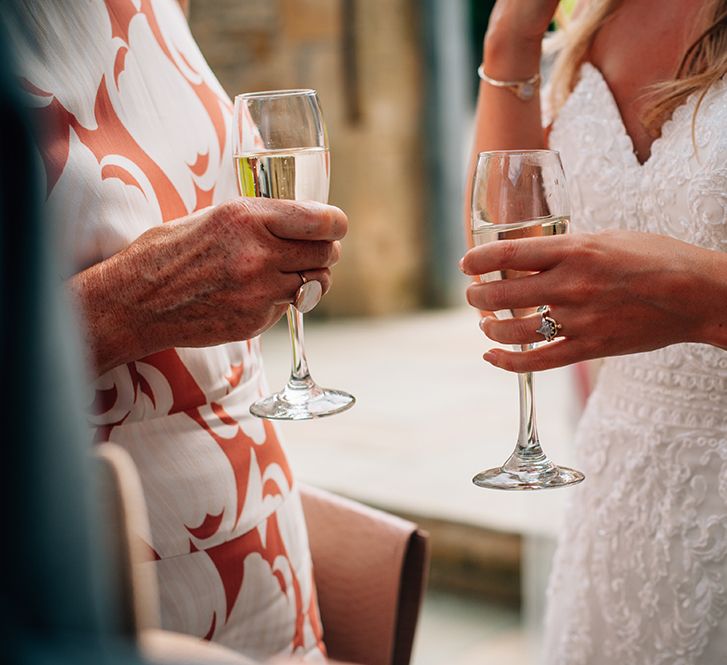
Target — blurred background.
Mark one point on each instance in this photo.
(397, 82)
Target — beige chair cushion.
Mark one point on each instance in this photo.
(370, 570)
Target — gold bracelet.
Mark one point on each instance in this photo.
(524, 90)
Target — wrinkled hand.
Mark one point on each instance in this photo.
(613, 293)
(229, 273)
(223, 274)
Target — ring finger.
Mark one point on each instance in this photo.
(522, 330)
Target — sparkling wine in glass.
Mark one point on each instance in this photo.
(280, 151)
(521, 194)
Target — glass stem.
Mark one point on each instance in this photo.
(528, 445)
(299, 373)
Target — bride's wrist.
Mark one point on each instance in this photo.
(705, 289)
(508, 56)
(714, 328)
(712, 331)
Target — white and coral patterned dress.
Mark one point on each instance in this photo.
(137, 134)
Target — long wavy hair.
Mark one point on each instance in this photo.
(703, 64)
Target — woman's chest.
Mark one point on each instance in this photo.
(639, 46)
(681, 190)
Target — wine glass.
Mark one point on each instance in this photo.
(521, 194)
(280, 149)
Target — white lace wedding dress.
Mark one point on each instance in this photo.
(640, 576)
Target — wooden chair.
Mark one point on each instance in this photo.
(370, 570)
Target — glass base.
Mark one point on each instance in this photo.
(517, 474)
(302, 403)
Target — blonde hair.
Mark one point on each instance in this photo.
(703, 64)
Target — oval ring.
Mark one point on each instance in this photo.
(308, 295)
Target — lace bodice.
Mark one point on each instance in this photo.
(681, 190)
(640, 576)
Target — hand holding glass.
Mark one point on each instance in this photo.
(521, 194)
(280, 151)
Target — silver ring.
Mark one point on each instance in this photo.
(308, 294)
(549, 327)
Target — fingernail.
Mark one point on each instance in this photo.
(461, 264)
(482, 323)
(490, 357)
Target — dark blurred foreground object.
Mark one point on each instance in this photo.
(61, 595)
(55, 603)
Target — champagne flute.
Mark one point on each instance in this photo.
(280, 149)
(521, 194)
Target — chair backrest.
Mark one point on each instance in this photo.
(123, 511)
(370, 569)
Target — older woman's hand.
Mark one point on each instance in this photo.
(223, 274)
(613, 293)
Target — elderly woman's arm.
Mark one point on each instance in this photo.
(224, 274)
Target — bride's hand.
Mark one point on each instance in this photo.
(613, 293)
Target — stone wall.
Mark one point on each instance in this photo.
(364, 58)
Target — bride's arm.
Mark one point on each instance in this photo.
(512, 51)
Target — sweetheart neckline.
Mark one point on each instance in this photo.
(666, 128)
(659, 140)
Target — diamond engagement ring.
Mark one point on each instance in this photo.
(549, 327)
(308, 295)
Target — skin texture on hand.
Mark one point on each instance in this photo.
(614, 293)
(223, 274)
